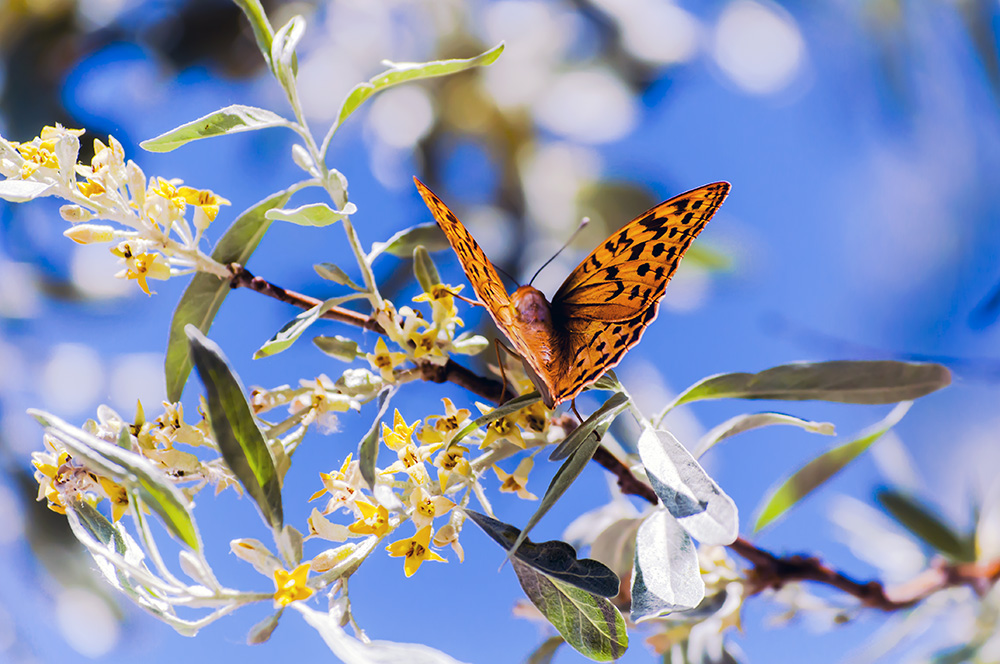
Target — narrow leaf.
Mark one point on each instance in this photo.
(315, 214)
(342, 348)
(686, 490)
(128, 469)
(229, 120)
(262, 31)
(205, 294)
(666, 576)
(554, 558)
(877, 382)
(606, 413)
(589, 623)
(424, 269)
(749, 421)
(294, 328)
(407, 71)
(812, 475)
(926, 525)
(546, 650)
(403, 243)
(22, 191)
(368, 449)
(589, 440)
(236, 432)
(512, 406)
(333, 273)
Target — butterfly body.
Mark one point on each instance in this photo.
(603, 307)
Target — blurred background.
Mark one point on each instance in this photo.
(862, 140)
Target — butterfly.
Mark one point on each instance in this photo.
(605, 304)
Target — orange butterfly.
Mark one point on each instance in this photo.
(605, 304)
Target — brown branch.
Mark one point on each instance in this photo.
(452, 372)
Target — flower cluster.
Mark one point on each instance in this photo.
(153, 240)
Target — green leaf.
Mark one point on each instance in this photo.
(284, 61)
(545, 651)
(554, 558)
(294, 328)
(469, 343)
(333, 273)
(666, 576)
(749, 421)
(403, 243)
(203, 297)
(368, 449)
(588, 437)
(229, 120)
(403, 72)
(314, 214)
(589, 623)
(128, 469)
(424, 269)
(686, 490)
(262, 30)
(922, 522)
(611, 409)
(812, 475)
(22, 191)
(342, 348)
(241, 443)
(877, 382)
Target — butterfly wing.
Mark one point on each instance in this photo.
(606, 303)
(478, 268)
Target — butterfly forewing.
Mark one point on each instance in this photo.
(606, 303)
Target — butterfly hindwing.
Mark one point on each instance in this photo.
(606, 303)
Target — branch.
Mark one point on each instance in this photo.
(452, 372)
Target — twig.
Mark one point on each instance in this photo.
(452, 372)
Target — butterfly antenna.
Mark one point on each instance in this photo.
(508, 275)
(583, 224)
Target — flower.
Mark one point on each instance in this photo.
(140, 266)
(291, 586)
(452, 420)
(415, 549)
(518, 480)
(502, 428)
(339, 485)
(451, 462)
(374, 520)
(385, 361)
(118, 496)
(441, 297)
(448, 535)
(427, 507)
(206, 202)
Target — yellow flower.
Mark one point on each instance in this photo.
(206, 201)
(141, 266)
(516, 482)
(385, 361)
(339, 485)
(427, 507)
(534, 417)
(399, 435)
(374, 520)
(38, 154)
(452, 462)
(448, 535)
(117, 495)
(503, 428)
(91, 188)
(169, 192)
(441, 297)
(291, 586)
(452, 420)
(416, 550)
(425, 344)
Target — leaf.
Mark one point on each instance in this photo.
(342, 348)
(406, 71)
(333, 273)
(666, 576)
(424, 269)
(241, 443)
(315, 214)
(203, 297)
(368, 449)
(403, 243)
(129, 469)
(877, 382)
(545, 651)
(553, 558)
(21, 191)
(262, 31)
(229, 120)
(749, 421)
(350, 650)
(926, 525)
(261, 632)
(590, 624)
(583, 449)
(469, 343)
(294, 328)
(812, 475)
(611, 409)
(686, 490)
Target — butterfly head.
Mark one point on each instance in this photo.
(531, 306)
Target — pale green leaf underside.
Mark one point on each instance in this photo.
(228, 120)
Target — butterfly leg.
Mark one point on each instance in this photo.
(572, 405)
(497, 345)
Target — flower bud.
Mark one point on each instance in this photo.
(87, 233)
